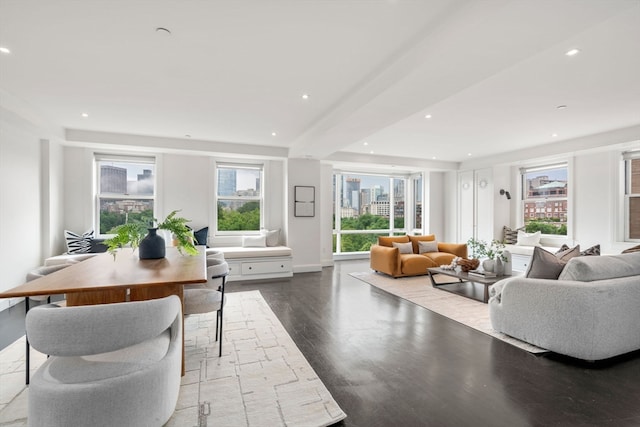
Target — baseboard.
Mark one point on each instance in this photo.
(307, 268)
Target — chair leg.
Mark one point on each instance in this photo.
(26, 339)
(221, 313)
(217, 321)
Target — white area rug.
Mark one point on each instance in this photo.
(261, 380)
(418, 290)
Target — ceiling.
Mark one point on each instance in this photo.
(490, 73)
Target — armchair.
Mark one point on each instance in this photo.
(112, 364)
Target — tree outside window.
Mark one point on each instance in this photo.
(632, 196)
(545, 199)
(239, 198)
(125, 191)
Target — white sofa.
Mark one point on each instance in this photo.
(591, 311)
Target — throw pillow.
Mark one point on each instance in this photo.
(404, 248)
(272, 237)
(97, 246)
(431, 246)
(528, 239)
(78, 243)
(388, 240)
(202, 236)
(633, 249)
(422, 238)
(254, 242)
(593, 250)
(546, 265)
(509, 235)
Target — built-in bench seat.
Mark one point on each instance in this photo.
(255, 263)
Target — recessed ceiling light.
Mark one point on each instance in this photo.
(572, 52)
(561, 107)
(163, 31)
(305, 96)
(4, 50)
(371, 152)
(365, 143)
(433, 158)
(428, 116)
(273, 134)
(553, 135)
(85, 114)
(468, 154)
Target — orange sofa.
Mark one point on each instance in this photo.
(387, 259)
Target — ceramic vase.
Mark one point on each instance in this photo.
(488, 265)
(498, 267)
(508, 265)
(152, 246)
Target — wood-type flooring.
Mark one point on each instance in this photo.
(389, 362)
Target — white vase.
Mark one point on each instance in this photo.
(499, 267)
(508, 265)
(488, 264)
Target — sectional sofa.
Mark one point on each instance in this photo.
(591, 311)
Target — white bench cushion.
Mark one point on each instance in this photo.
(239, 252)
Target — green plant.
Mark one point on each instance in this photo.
(480, 248)
(133, 232)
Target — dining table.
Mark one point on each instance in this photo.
(107, 278)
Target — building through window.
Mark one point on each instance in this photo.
(545, 199)
(239, 197)
(125, 191)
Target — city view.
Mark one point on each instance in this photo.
(239, 198)
(545, 201)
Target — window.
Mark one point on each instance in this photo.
(125, 191)
(239, 197)
(545, 199)
(417, 204)
(632, 195)
(367, 206)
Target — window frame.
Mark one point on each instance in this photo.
(260, 198)
(99, 196)
(409, 207)
(627, 158)
(568, 198)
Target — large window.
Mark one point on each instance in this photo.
(367, 206)
(545, 199)
(632, 195)
(125, 191)
(239, 197)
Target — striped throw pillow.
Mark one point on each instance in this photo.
(78, 243)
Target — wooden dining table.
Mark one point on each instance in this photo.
(104, 279)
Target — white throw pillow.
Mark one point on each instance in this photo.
(272, 237)
(428, 246)
(253, 241)
(528, 239)
(404, 248)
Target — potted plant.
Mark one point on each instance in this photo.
(133, 234)
(494, 252)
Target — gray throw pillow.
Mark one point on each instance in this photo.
(428, 246)
(546, 265)
(404, 248)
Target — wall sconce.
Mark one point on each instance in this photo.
(505, 193)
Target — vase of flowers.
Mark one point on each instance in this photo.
(493, 252)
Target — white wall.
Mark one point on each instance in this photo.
(22, 197)
(435, 202)
(305, 237)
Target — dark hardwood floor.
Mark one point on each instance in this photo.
(389, 362)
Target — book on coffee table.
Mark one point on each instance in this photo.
(482, 273)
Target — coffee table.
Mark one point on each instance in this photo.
(465, 285)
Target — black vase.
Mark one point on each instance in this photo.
(152, 246)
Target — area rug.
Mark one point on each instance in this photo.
(261, 380)
(467, 311)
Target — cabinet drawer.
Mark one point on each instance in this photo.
(520, 262)
(263, 267)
